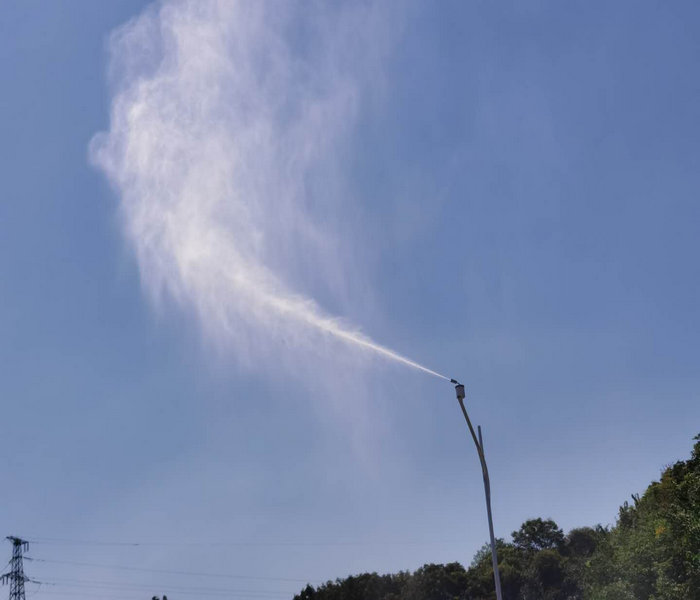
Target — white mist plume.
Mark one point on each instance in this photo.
(221, 121)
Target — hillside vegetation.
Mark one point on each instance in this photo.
(651, 553)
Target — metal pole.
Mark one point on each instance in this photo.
(479, 443)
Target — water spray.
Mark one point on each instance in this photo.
(204, 201)
(388, 353)
(209, 195)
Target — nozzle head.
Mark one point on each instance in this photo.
(454, 381)
(459, 388)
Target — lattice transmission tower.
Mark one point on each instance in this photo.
(16, 577)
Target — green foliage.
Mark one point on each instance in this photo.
(511, 566)
(436, 582)
(582, 542)
(536, 534)
(652, 553)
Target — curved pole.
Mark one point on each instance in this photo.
(479, 443)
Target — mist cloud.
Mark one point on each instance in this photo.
(224, 114)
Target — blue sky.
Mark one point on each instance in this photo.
(504, 192)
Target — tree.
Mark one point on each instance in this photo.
(545, 577)
(512, 562)
(653, 552)
(437, 582)
(538, 534)
(582, 541)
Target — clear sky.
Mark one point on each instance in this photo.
(505, 192)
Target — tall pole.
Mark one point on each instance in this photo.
(479, 443)
(16, 576)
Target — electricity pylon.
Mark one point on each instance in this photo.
(16, 576)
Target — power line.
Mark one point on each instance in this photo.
(93, 596)
(60, 581)
(135, 587)
(247, 543)
(138, 596)
(166, 571)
